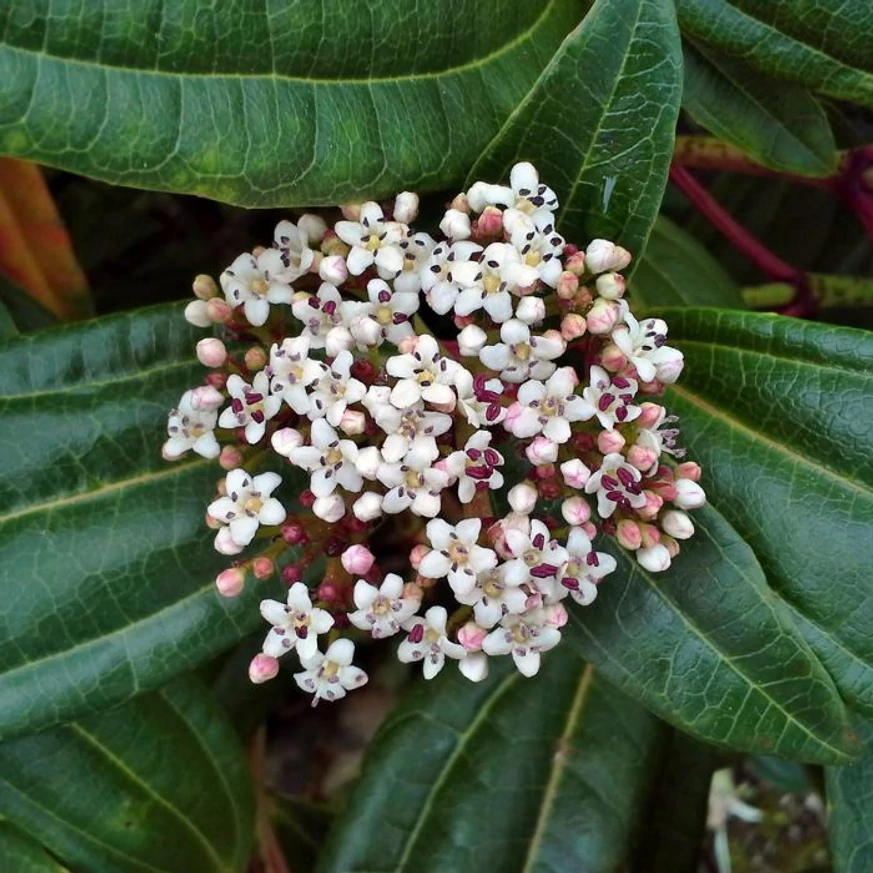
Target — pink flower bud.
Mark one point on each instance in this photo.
(643, 459)
(460, 202)
(351, 211)
(211, 352)
(589, 529)
(541, 451)
(216, 380)
(603, 255)
(471, 636)
(628, 535)
(568, 285)
(575, 473)
(263, 668)
(292, 573)
(462, 321)
(406, 346)
(255, 359)
(602, 316)
(285, 440)
(610, 285)
(417, 555)
(368, 506)
(219, 311)
(456, 225)
(357, 560)
(353, 422)
(556, 615)
(512, 415)
(534, 601)
(204, 287)
(293, 533)
(497, 532)
(575, 264)
(670, 366)
(333, 269)
(197, 313)
(688, 470)
(576, 511)
(610, 441)
(655, 559)
(677, 524)
(544, 471)
(413, 591)
(490, 222)
(649, 535)
(313, 227)
(331, 508)
(652, 506)
(224, 543)
(230, 582)
(263, 567)
(530, 310)
(689, 495)
(522, 498)
(612, 359)
(471, 340)
(650, 415)
(405, 207)
(230, 458)
(573, 326)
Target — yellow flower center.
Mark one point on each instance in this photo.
(333, 456)
(384, 315)
(491, 283)
(260, 287)
(532, 259)
(372, 242)
(253, 505)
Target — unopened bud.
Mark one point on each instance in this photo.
(610, 441)
(204, 287)
(263, 567)
(602, 256)
(357, 560)
(206, 398)
(602, 316)
(652, 506)
(575, 263)
(292, 573)
(612, 359)
(573, 326)
(531, 310)
(456, 225)
(197, 313)
(642, 458)
(406, 207)
(224, 543)
(351, 211)
(255, 359)
(628, 535)
(650, 415)
(211, 352)
(293, 533)
(575, 473)
(544, 471)
(670, 545)
(649, 535)
(555, 615)
(285, 440)
(263, 668)
(689, 470)
(490, 223)
(216, 380)
(230, 582)
(352, 422)
(541, 451)
(333, 269)
(576, 511)
(471, 636)
(416, 555)
(655, 559)
(313, 227)
(219, 310)
(330, 508)
(230, 458)
(677, 524)
(522, 498)
(471, 340)
(368, 506)
(568, 285)
(610, 285)
(689, 495)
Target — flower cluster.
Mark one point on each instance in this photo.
(390, 373)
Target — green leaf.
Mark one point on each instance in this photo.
(600, 122)
(301, 828)
(283, 104)
(19, 853)
(512, 774)
(24, 312)
(158, 785)
(779, 124)
(106, 565)
(850, 812)
(822, 45)
(676, 269)
(710, 649)
(778, 413)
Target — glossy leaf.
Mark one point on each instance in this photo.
(160, 784)
(778, 413)
(779, 124)
(283, 104)
(300, 828)
(508, 775)
(20, 853)
(600, 122)
(106, 565)
(710, 649)
(822, 45)
(24, 311)
(676, 270)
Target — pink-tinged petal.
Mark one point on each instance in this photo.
(242, 530)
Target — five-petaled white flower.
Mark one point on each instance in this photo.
(297, 624)
(500, 274)
(548, 408)
(254, 283)
(643, 343)
(424, 374)
(616, 484)
(330, 675)
(523, 636)
(387, 317)
(374, 241)
(335, 390)
(416, 248)
(584, 568)
(540, 247)
(475, 466)
(521, 356)
(247, 504)
(479, 399)
(455, 554)
(292, 372)
(414, 485)
(382, 610)
(494, 596)
(427, 640)
(192, 427)
(525, 193)
(537, 559)
(324, 315)
(612, 398)
(292, 243)
(251, 405)
(330, 460)
(440, 281)
(411, 432)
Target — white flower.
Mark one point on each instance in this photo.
(479, 399)
(414, 486)
(525, 193)
(335, 390)
(330, 460)
(536, 558)
(616, 484)
(643, 344)
(323, 314)
(548, 408)
(440, 281)
(456, 224)
(611, 397)
(540, 247)
(330, 675)
(382, 610)
(406, 206)
(494, 596)
(373, 241)
(410, 432)
(475, 466)
(427, 640)
(525, 637)
(251, 406)
(500, 274)
(247, 504)
(254, 283)
(661, 440)
(584, 569)
(416, 248)
(296, 625)
(191, 427)
(388, 316)
(292, 243)
(521, 356)
(455, 554)
(424, 375)
(292, 372)
(603, 256)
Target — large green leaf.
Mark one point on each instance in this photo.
(780, 124)
(850, 812)
(512, 774)
(676, 270)
(778, 412)
(710, 649)
(160, 784)
(106, 566)
(600, 122)
(20, 853)
(278, 104)
(822, 44)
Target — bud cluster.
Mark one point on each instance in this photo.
(434, 380)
